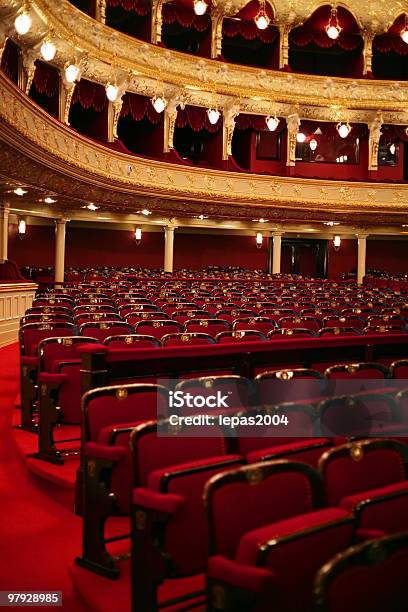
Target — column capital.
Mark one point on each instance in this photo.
(277, 233)
(362, 235)
(61, 221)
(170, 227)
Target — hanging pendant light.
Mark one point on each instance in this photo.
(261, 19)
(272, 122)
(213, 115)
(112, 91)
(333, 28)
(200, 7)
(48, 50)
(159, 103)
(343, 129)
(23, 22)
(71, 73)
(404, 31)
(313, 144)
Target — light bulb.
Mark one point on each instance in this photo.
(336, 242)
(49, 200)
(300, 137)
(343, 129)
(259, 239)
(213, 115)
(404, 35)
(392, 149)
(48, 50)
(159, 103)
(313, 144)
(71, 73)
(333, 32)
(21, 226)
(23, 23)
(262, 20)
(272, 122)
(138, 234)
(112, 92)
(19, 191)
(200, 7)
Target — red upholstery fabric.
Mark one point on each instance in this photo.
(376, 469)
(389, 515)
(306, 451)
(239, 508)
(255, 579)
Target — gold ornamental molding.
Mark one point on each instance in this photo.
(196, 80)
(30, 130)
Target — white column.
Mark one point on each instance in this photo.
(276, 253)
(4, 221)
(168, 248)
(60, 225)
(361, 257)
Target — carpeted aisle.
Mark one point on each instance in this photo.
(39, 537)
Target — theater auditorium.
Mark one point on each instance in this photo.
(204, 305)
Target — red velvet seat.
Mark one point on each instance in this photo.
(363, 376)
(131, 341)
(360, 415)
(268, 533)
(30, 335)
(109, 416)
(208, 326)
(90, 317)
(171, 472)
(298, 384)
(262, 324)
(53, 318)
(134, 317)
(296, 437)
(386, 319)
(104, 329)
(302, 322)
(158, 327)
(371, 576)
(231, 314)
(238, 391)
(288, 332)
(339, 331)
(399, 369)
(186, 339)
(352, 321)
(369, 478)
(185, 314)
(243, 335)
(52, 351)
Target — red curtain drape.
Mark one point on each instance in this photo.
(90, 95)
(303, 36)
(196, 118)
(394, 132)
(385, 43)
(140, 7)
(248, 30)
(139, 107)
(329, 130)
(185, 17)
(256, 123)
(46, 79)
(9, 60)
(313, 30)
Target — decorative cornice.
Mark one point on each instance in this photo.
(47, 142)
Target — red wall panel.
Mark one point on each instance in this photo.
(199, 250)
(388, 255)
(342, 261)
(35, 249)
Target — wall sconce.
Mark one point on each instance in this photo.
(259, 240)
(336, 242)
(21, 228)
(138, 236)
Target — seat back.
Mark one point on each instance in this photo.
(187, 339)
(361, 466)
(104, 329)
(31, 334)
(298, 384)
(207, 326)
(261, 324)
(158, 327)
(237, 391)
(370, 576)
(257, 495)
(131, 341)
(53, 350)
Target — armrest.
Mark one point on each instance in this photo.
(47, 378)
(100, 451)
(167, 503)
(250, 578)
(29, 360)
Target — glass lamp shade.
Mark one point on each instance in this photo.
(272, 123)
(159, 103)
(48, 50)
(333, 31)
(313, 144)
(23, 23)
(301, 137)
(200, 7)
(262, 20)
(213, 115)
(404, 35)
(71, 73)
(343, 130)
(112, 92)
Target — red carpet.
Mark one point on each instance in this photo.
(39, 536)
